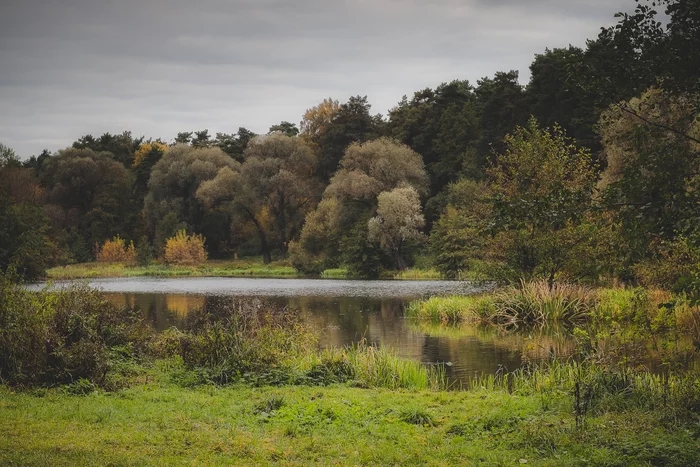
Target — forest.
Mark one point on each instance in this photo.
(589, 172)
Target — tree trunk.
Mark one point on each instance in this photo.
(264, 246)
(400, 262)
(267, 258)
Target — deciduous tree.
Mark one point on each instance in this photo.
(396, 227)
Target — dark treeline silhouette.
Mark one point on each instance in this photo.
(590, 170)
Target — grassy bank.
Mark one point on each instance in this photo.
(535, 303)
(238, 268)
(233, 268)
(159, 422)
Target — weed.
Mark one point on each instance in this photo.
(270, 405)
(416, 416)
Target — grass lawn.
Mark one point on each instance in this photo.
(159, 423)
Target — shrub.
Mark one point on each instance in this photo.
(184, 249)
(304, 261)
(673, 267)
(117, 251)
(144, 252)
(362, 257)
(227, 340)
(63, 336)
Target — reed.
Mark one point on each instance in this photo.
(538, 302)
(374, 367)
(453, 310)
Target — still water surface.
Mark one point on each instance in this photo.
(347, 312)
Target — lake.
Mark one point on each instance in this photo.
(347, 312)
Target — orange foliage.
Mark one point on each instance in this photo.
(319, 117)
(183, 249)
(117, 251)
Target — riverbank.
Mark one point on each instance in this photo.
(160, 423)
(89, 383)
(216, 268)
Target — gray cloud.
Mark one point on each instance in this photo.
(157, 67)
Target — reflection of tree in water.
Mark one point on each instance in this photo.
(161, 310)
(348, 320)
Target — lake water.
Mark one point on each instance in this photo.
(348, 312)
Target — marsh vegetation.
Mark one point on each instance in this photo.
(235, 372)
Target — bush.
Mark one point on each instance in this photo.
(304, 261)
(63, 336)
(144, 252)
(675, 266)
(117, 251)
(228, 340)
(184, 249)
(362, 257)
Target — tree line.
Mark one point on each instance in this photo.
(590, 170)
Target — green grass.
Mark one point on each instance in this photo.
(409, 274)
(417, 274)
(337, 273)
(375, 368)
(452, 310)
(536, 303)
(240, 268)
(161, 423)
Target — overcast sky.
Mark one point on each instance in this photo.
(156, 67)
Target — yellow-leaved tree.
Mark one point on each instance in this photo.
(117, 250)
(184, 249)
(147, 148)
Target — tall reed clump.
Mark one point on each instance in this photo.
(537, 302)
(379, 367)
(373, 367)
(184, 249)
(453, 310)
(64, 336)
(116, 250)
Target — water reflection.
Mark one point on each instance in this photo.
(469, 351)
(161, 310)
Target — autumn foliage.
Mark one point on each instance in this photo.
(147, 148)
(184, 249)
(117, 251)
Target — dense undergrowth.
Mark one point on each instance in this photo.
(73, 336)
(65, 336)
